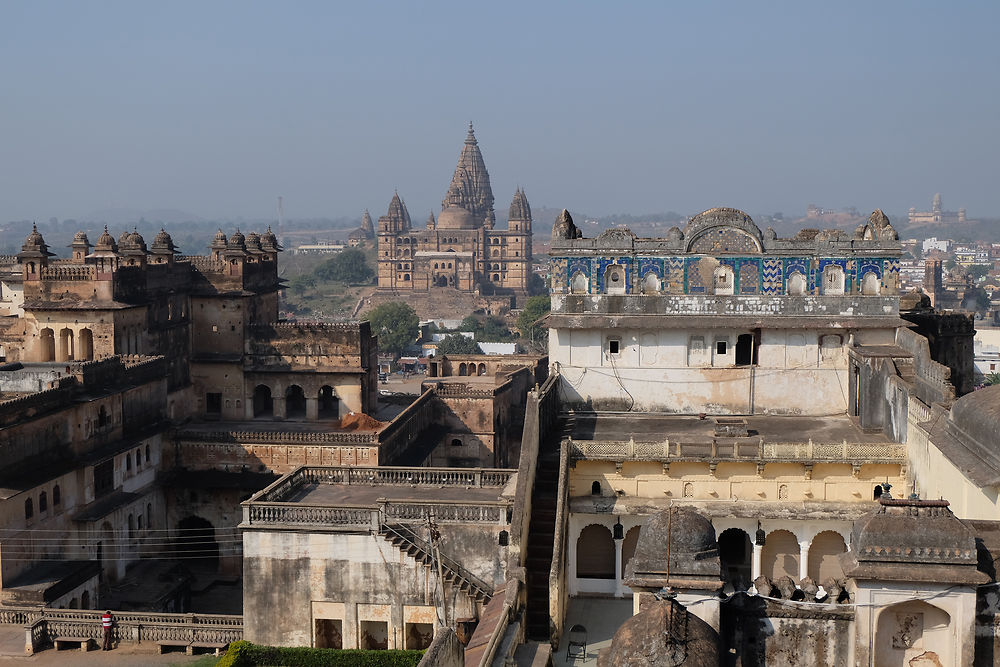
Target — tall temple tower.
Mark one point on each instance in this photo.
(460, 249)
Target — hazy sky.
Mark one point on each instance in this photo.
(216, 108)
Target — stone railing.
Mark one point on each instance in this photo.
(729, 305)
(735, 450)
(42, 625)
(278, 437)
(69, 273)
(370, 517)
(463, 390)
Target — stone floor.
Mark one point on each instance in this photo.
(601, 617)
(127, 655)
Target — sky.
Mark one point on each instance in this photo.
(217, 108)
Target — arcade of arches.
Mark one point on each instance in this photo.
(598, 559)
(294, 403)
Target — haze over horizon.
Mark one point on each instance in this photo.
(218, 108)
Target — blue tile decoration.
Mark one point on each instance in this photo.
(557, 269)
(791, 265)
(872, 265)
(842, 262)
(772, 278)
(748, 278)
(578, 266)
(694, 282)
(605, 262)
(674, 276)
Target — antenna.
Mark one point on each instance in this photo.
(281, 220)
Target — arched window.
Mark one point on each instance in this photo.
(614, 280)
(833, 279)
(131, 525)
(496, 277)
(579, 283)
(295, 402)
(628, 547)
(796, 284)
(651, 283)
(824, 556)
(595, 553)
(56, 496)
(43, 502)
(456, 442)
(780, 556)
(406, 277)
(722, 280)
(29, 508)
(595, 488)
(128, 461)
(870, 284)
(147, 446)
(263, 404)
(496, 253)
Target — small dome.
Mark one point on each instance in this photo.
(81, 237)
(663, 633)
(253, 241)
(456, 217)
(124, 239)
(268, 238)
(693, 546)
(220, 238)
(162, 238)
(237, 240)
(35, 237)
(106, 241)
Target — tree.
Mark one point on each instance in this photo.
(348, 266)
(992, 379)
(396, 324)
(458, 344)
(494, 331)
(299, 284)
(470, 323)
(535, 308)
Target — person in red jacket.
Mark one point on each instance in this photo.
(107, 621)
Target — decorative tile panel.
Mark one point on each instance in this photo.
(802, 266)
(576, 266)
(605, 262)
(694, 282)
(749, 276)
(772, 278)
(674, 276)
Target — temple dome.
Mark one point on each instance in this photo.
(237, 240)
(456, 217)
(662, 633)
(106, 241)
(268, 239)
(35, 237)
(81, 237)
(220, 238)
(693, 548)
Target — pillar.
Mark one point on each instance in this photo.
(755, 563)
(618, 565)
(279, 406)
(248, 406)
(804, 559)
(312, 409)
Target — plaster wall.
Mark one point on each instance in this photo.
(690, 371)
(935, 476)
(285, 572)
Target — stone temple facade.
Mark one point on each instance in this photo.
(460, 249)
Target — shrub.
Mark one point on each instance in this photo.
(245, 654)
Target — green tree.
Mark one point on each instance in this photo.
(535, 308)
(470, 323)
(299, 284)
(347, 266)
(978, 271)
(992, 379)
(458, 344)
(396, 324)
(494, 331)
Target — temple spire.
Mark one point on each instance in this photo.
(470, 186)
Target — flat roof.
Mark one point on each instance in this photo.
(366, 494)
(651, 427)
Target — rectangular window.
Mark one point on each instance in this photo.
(213, 403)
(720, 346)
(614, 346)
(104, 478)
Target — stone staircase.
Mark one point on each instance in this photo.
(406, 540)
(541, 532)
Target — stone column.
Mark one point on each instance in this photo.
(279, 407)
(248, 407)
(618, 566)
(755, 562)
(804, 559)
(312, 409)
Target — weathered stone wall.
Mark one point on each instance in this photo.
(766, 633)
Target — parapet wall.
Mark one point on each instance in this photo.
(933, 380)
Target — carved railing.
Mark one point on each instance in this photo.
(42, 625)
(70, 273)
(366, 517)
(736, 451)
(384, 476)
(278, 437)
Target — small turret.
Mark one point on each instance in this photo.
(80, 246)
(519, 215)
(397, 219)
(219, 245)
(163, 248)
(431, 222)
(269, 245)
(34, 255)
(132, 248)
(366, 225)
(565, 228)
